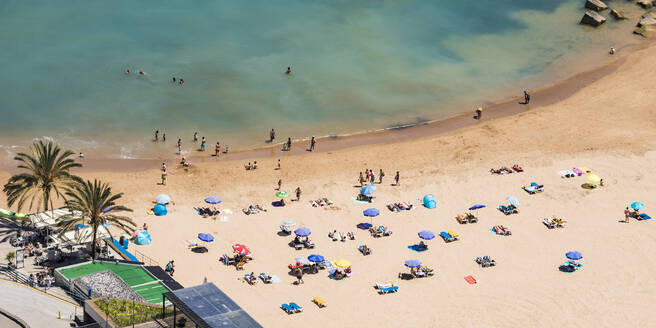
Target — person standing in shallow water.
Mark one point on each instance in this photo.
(195, 136)
(156, 135)
(479, 113)
(288, 71)
(272, 135)
(217, 149)
(289, 144)
(312, 143)
(527, 97)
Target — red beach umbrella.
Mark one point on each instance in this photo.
(241, 249)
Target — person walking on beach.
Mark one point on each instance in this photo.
(164, 177)
(479, 113)
(361, 180)
(164, 136)
(298, 193)
(312, 143)
(202, 144)
(156, 135)
(278, 164)
(272, 135)
(195, 136)
(163, 166)
(170, 268)
(179, 146)
(299, 276)
(627, 215)
(372, 179)
(279, 184)
(527, 97)
(381, 174)
(217, 149)
(289, 144)
(396, 179)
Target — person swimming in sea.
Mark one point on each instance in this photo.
(181, 81)
(127, 72)
(142, 72)
(289, 71)
(173, 79)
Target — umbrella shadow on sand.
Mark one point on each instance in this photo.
(588, 186)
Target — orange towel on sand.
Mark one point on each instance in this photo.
(471, 280)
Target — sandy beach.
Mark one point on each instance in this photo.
(607, 125)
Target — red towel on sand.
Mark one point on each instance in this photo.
(471, 280)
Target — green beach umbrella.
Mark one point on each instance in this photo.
(282, 194)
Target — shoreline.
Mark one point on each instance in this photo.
(540, 97)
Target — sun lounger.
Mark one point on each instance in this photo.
(363, 250)
(240, 265)
(286, 229)
(265, 278)
(251, 280)
(471, 218)
(447, 238)
(461, 219)
(453, 234)
(549, 223)
(287, 308)
(585, 169)
(319, 302)
(643, 216)
(296, 307)
(382, 285)
(577, 171)
(191, 243)
(566, 174)
(387, 290)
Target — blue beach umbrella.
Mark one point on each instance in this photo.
(206, 237)
(163, 199)
(107, 209)
(429, 201)
(316, 258)
(413, 263)
(371, 212)
(289, 224)
(475, 207)
(637, 205)
(574, 255)
(364, 226)
(302, 232)
(368, 189)
(212, 200)
(159, 210)
(80, 225)
(426, 234)
(143, 238)
(512, 201)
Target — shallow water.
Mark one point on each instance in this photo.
(357, 66)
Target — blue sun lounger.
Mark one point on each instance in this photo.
(386, 290)
(287, 308)
(296, 307)
(644, 216)
(447, 238)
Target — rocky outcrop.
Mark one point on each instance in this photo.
(646, 31)
(592, 18)
(645, 3)
(596, 5)
(648, 19)
(617, 14)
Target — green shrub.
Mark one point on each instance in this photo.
(124, 312)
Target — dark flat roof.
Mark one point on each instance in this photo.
(209, 307)
(167, 280)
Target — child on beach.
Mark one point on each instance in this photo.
(195, 136)
(396, 179)
(163, 177)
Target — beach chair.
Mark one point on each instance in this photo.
(549, 223)
(447, 238)
(285, 229)
(578, 172)
(387, 290)
(471, 218)
(419, 274)
(319, 302)
(380, 285)
(287, 308)
(251, 280)
(453, 234)
(296, 307)
(643, 216)
(461, 219)
(240, 265)
(428, 271)
(308, 244)
(191, 243)
(363, 250)
(265, 278)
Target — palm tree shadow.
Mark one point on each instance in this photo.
(10, 229)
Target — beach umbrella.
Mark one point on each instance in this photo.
(241, 249)
(593, 177)
(159, 210)
(206, 237)
(364, 226)
(475, 207)
(371, 212)
(143, 238)
(302, 232)
(107, 209)
(512, 201)
(80, 226)
(574, 255)
(289, 224)
(637, 205)
(426, 234)
(316, 258)
(302, 260)
(342, 263)
(163, 199)
(212, 200)
(368, 189)
(413, 263)
(282, 194)
(429, 201)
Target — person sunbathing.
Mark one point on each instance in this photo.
(331, 235)
(518, 168)
(343, 239)
(248, 166)
(493, 171)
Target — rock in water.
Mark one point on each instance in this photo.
(645, 3)
(617, 14)
(648, 19)
(646, 31)
(592, 18)
(596, 5)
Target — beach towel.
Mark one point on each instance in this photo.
(471, 280)
(355, 200)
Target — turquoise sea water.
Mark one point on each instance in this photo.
(357, 65)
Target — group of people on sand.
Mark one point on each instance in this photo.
(370, 177)
(335, 236)
(628, 214)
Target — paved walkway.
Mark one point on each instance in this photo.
(35, 308)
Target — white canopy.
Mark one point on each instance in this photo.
(79, 236)
(49, 218)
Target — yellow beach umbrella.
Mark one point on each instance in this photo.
(593, 178)
(342, 263)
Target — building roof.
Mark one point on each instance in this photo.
(208, 307)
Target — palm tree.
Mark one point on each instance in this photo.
(97, 206)
(47, 173)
